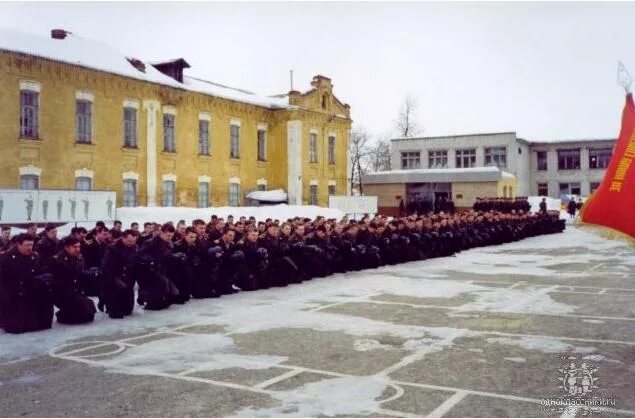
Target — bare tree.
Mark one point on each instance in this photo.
(406, 123)
(379, 155)
(358, 155)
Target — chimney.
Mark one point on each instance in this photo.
(58, 33)
(137, 63)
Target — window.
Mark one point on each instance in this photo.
(130, 127)
(569, 159)
(541, 160)
(599, 158)
(262, 145)
(313, 148)
(83, 183)
(569, 189)
(331, 189)
(496, 156)
(203, 194)
(437, 159)
(325, 100)
(593, 186)
(262, 187)
(313, 195)
(203, 137)
(466, 158)
(169, 140)
(169, 193)
(29, 182)
(234, 194)
(331, 150)
(543, 189)
(29, 114)
(234, 134)
(129, 193)
(84, 121)
(410, 160)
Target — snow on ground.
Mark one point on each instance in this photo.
(291, 306)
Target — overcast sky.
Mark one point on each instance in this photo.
(544, 70)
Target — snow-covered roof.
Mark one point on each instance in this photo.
(571, 140)
(276, 195)
(479, 134)
(472, 174)
(96, 55)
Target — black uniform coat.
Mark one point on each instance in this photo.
(25, 302)
(74, 306)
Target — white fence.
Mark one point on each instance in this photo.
(56, 206)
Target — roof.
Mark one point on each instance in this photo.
(479, 134)
(572, 140)
(96, 55)
(472, 174)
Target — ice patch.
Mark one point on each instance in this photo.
(594, 321)
(364, 345)
(347, 396)
(596, 357)
(203, 353)
(541, 344)
(527, 300)
(26, 379)
(479, 350)
(516, 359)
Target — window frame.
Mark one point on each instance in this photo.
(313, 195)
(80, 179)
(465, 154)
(262, 144)
(84, 121)
(168, 198)
(567, 159)
(331, 149)
(24, 179)
(203, 137)
(130, 139)
(29, 125)
(436, 156)
(496, 157)
(602, 156)
(204, 196)
(127, 190)
(234, 194)
(540, 167)
(542, 185)
(407, 157)
(169, 133)
(234, 141)
(313, 155)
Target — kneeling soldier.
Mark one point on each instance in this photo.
(67, 267)
(25, 298)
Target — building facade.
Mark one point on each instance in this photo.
(548, 168)
(76, 114)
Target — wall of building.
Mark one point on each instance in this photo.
(388, 196)
(58, 154)
(553, 177)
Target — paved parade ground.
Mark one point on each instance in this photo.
(488, 332)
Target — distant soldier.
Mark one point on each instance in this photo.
(25, 297)
(48, 245)
(67, 267)
(5, 239)
(572, 208)
(543, 206)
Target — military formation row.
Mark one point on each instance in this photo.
(171, 264)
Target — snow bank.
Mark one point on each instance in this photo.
(276, 195)
(552, 204)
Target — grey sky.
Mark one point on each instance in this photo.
(545, 70)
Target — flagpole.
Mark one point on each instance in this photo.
(624, 78)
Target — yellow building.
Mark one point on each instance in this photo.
(75, 114)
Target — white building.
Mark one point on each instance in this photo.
(550, 168)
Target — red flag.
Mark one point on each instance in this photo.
(613, 203)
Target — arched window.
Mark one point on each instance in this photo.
(325, 100)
